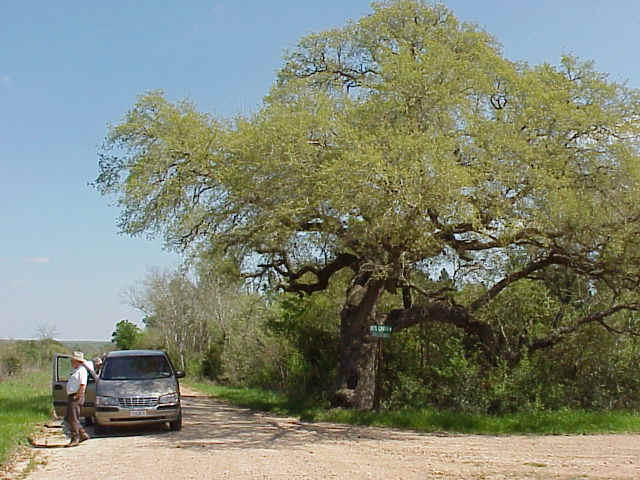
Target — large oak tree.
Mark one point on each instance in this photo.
(395, 143)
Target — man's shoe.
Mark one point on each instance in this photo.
(83, 437)
(75, 441)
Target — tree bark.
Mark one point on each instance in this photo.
(356, 374)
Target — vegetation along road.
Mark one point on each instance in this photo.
(223, 442)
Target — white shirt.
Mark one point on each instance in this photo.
(78, 377)
(88, 364)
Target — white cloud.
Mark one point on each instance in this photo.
(36, 259)
(5, 80)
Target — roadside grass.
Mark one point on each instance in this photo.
(252, 398)
(542, 422)
(25, 400)
(558, 422)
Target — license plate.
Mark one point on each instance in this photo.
(138, 413)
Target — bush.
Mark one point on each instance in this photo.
(308, 330)
(429, 366)
(12, 364)
(211, 366)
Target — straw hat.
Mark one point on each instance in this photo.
(78, 356)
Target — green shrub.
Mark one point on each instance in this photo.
(12, 364)
(211, 366)
(307, 328)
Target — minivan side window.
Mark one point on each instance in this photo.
(143, 367)
(63, 369)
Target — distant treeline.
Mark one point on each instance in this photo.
(18, 356)
(89, 347)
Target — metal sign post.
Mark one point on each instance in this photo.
(379, 331)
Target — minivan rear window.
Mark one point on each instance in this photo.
(139, 367)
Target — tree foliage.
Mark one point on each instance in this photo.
(199, 317)
(126, 335)
(388, 148)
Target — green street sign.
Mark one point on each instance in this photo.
(380, 330)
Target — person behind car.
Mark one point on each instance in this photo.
(97, 365)
(76, 386)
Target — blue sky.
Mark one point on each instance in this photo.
(68, 69)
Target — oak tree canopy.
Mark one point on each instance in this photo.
(401, 143)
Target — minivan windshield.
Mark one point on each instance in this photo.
(139, 367)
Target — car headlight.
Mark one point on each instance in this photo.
(107, 401)
(170, 398)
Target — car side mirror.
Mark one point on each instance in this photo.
(179, 374)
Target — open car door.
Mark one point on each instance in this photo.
(61, 371)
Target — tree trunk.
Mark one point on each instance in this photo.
(356, 374)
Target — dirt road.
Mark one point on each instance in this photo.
(223, 442)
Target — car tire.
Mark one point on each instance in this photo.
(176, 425)
(100, 429)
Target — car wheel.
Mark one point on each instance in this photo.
(100, 429)
(177, 423)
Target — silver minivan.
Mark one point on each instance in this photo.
(134, 387)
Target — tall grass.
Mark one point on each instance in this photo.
(545, 422)
(428, 420)
(25, 400)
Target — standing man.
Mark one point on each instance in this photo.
(76, 386)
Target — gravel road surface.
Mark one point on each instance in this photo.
(223, 442)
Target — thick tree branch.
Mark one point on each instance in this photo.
(283, 266)
(490, 294)
(443, 311)
(559, 334)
